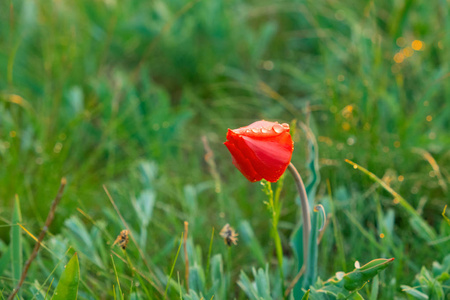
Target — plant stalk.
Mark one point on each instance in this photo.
(305, 211)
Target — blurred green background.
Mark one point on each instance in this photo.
(102, 92)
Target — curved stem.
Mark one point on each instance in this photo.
(305, 211)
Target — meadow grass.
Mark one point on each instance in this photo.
(120, 93)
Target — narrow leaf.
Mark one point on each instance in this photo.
(414, 292)
(306, 295)
(16, 242)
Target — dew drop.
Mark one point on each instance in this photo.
(255, 130)
(264, 130)
(248, 131)
(285, 125)
(278, 128)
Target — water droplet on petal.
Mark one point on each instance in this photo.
(285, 125)
(248, 131)
(255, 130)
(264, 130)
(278, 128)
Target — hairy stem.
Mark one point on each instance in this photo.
(305, 211)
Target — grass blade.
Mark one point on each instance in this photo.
(117, 278)
(173, 266)
(16, 242)
(416, 220)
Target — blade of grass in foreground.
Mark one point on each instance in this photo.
(117, 278)
(416, 220)
(16, 239)
(173, 266)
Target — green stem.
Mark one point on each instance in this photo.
(229, 268)
(276, 208)
(279, 249)
(305, 211)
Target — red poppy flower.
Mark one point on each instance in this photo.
(261, 150)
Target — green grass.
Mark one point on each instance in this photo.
(121, 93)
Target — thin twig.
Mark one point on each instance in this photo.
(186, 258)
(296, 279)
(44, 230)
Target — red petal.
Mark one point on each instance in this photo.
(262, 129)
(271, 157)
(262, 148)
(242, 163)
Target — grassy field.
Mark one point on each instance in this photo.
(135, 98)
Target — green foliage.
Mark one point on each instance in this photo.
(310, 275)
(346, 286)
(121, 93)
(67, 287)
(356, 279)
(260, 288)
(431, 284)
(342, 286)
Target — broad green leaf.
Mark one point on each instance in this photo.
(297, 246)
(196, 279)
(310, 276)
(216, 268)
(359, 277)
(16, 242)
(67, 288)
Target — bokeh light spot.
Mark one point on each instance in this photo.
(408, 51)
(417, 45)
(399, 57)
